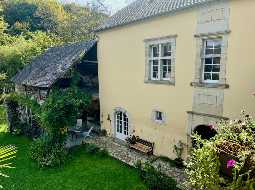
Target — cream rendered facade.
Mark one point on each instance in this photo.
(188, 102)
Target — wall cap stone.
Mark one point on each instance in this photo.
(160, 82)
(214, 34)
(207, 115)
(209, 85)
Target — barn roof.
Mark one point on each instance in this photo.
(47, 68)
(144, 9)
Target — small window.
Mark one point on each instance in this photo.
(211, 60)
(158, 117)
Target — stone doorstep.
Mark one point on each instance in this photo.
(124, 154)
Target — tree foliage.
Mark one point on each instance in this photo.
(33, 15)
(19, 53)
(29, 27)
(61, 110)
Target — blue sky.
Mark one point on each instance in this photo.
(113, 5)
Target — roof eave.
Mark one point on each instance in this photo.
(168, 13)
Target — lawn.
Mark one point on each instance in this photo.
(82, 172)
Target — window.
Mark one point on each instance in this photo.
(211, 60)
(160, 60)
(158, 117)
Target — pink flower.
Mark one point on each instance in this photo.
(231, 163)
(212, 127)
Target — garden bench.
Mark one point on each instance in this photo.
(143, 146)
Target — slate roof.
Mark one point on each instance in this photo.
(144, 9)
(47, 68)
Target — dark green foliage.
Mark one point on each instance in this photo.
(48, 153)
(34, 15)
(12, 113)
(103, 153)
(154, 178)
(61, 109)
(178, 163)
(92, 148)
(19, 12)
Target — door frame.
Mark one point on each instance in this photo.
(114, 126)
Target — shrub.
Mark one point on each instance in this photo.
(227, 160)
(103, 153)
(203, 167)
(48, 153)
(154, 178)
(92, 149)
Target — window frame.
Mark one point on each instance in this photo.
(160, 59)
(155, 117)
(212, 57)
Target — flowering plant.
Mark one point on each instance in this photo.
(230, 152)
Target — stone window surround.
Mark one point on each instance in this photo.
(198, 80)
(165, 39)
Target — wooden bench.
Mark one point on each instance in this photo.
(143, 146)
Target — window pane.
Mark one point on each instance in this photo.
(155, 51)
(159, 116)
(207, 76)
(208, 68)
(208, 61)
(155, 69)
(216, 68)
(209, 44)
(217, 51)
(216, 60)
(215, 76)
(166, 67)
(166, 49)
(217, 44)
(209, 51)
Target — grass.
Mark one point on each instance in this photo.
(83, 172)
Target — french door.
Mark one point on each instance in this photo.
(121, 125)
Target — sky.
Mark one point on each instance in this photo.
(113, 5)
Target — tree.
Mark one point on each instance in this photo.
(33, 15)
(80, 23)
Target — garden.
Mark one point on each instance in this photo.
(226, 161)
(82, 170)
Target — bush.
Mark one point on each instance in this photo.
(48, 153)
(103, 153)
(203, 168)
(92, 149)
(154, 178)
(227, 160)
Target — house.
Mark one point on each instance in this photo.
(171, 67)
(56, 67)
